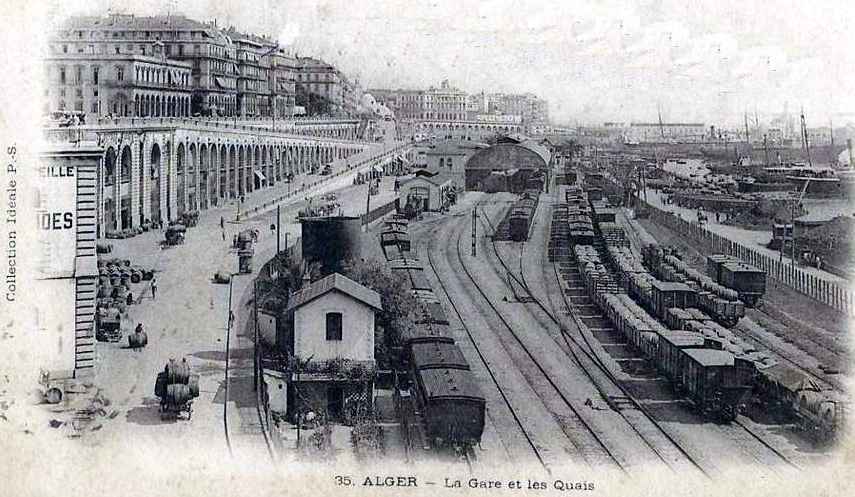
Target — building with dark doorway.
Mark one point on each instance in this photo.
(330, 335)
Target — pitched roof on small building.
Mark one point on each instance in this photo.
(339, 283)
(432, 177)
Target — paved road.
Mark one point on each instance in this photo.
(755, 240)
(188, 319)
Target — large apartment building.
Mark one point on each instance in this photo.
(171, 61)
(317, 77)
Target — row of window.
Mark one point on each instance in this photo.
(129, 34)
(177, 50)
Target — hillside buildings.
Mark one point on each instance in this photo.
(170, 66)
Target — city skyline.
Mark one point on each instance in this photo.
(612, 61)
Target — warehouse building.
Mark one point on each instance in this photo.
(506, 166)
(431, 191)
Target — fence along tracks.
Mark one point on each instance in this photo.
(736, 433)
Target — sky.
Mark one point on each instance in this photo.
(594, 61)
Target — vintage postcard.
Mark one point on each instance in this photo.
(442, 248)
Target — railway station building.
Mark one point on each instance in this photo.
(506, 166)
(432, 190)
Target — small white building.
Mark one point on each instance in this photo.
(331, 324)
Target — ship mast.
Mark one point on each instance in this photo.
(805, 139)
(661, 126)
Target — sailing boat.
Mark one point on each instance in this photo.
(821, 181)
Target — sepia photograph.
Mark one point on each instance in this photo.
(499, 247)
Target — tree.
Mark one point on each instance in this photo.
(400, 306)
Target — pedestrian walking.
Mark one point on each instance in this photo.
(154, 288)
(224, 235)
(222, 223)
(231, 319)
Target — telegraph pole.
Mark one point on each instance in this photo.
(474, 230)
(278, 230)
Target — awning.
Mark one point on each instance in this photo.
(378, 169)
(220, 82)
(260, 175)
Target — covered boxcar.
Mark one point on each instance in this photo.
(666, 294)
(452, 406)
(434, 313)
(747, 280)
(716, 381)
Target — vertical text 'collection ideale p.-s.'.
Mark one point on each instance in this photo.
(11, 221)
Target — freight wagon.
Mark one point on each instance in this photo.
(716, 381)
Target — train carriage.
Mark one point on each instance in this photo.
(668, 351)
(716, 381)
(419, 280)
(436, 352)
(395, 238)
(747, 280)
(452, 406)
(434, 314)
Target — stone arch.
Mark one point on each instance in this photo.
(153, 172)
(233, 171)
(204, 161)
(223, 167)
(181, 178)
(241, 178)
(169, 169)
(192, 193)
(111, 181)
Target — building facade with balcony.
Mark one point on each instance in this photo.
(253, 82)
(118, 85)
(283, 84)
(210, 53)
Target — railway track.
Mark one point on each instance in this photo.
(594, 449)
(661, 442)
(819, 341)
(481, 357)
(776, 454)
(788, 357)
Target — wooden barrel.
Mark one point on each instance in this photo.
(160, 385)
(137, 340)
(126, 262)
(115, 279)
(177, 372)
(105, 290)
(194, 385)
(177, 394)
(53, 395)
(147, 275)
(136, 276)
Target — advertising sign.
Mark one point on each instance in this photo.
(56, 218)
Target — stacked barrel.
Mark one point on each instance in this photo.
(176, 387)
